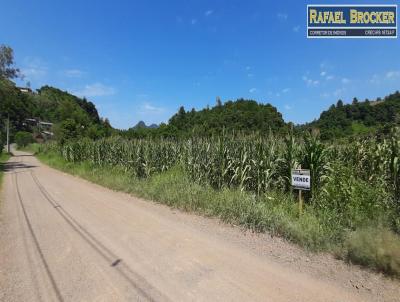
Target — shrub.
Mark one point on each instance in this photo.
(22, 138)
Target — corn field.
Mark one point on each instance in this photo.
(252, 163)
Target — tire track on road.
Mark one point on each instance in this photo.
(36, 242)
(138, 282)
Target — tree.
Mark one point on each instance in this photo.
(355, 101)
(23, 138)
(7, 69)
(67, 130)
(339, 104)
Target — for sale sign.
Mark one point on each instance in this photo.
(301, 179)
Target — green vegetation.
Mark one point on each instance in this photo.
(241, 115)
(375, 247)
(23, 138)
(359, 117)
(275, 212)
(246, 180)
(73, 117)
(76, 118)
(3, 158)
(244, 116)
(233, 161)
(249, 117)
(7, 68)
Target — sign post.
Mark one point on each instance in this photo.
(301, 180)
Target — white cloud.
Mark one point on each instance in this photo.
(325, 95)
(296, 28)
(282, 16)
(193, 21)
(96, 89)
(375, 79)
(288, 107)
(33, 73)
(339, 92)
(285, 90)
(151, 113)
(208, 13)
(147, 107)
(253, 90)
(392, 74)
(310, 82)
(248, 68)
(73, 73)
(345, 81)
(34, 69)
(325, 76)
(325, 72)
(326, 67)
(250, 75)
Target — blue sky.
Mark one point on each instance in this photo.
(141, 60)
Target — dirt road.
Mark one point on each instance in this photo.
(65, 239)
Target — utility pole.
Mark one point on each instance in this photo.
(8, 133)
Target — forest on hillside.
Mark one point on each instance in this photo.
(74, 117)
(359, 118)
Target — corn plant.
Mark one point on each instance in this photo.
(316, 159)
(253, 163)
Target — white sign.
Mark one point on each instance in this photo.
(301, 179)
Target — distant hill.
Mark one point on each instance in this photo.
(75, 117)
(246, 116)
(72, 116)
(240, 115)
(365, 117)
(142, 124)
(51, 101)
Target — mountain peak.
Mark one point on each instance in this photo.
(142, 124)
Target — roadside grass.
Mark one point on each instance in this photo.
(275, 212)
(375, 247)
(3, 158)
(32, 148)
